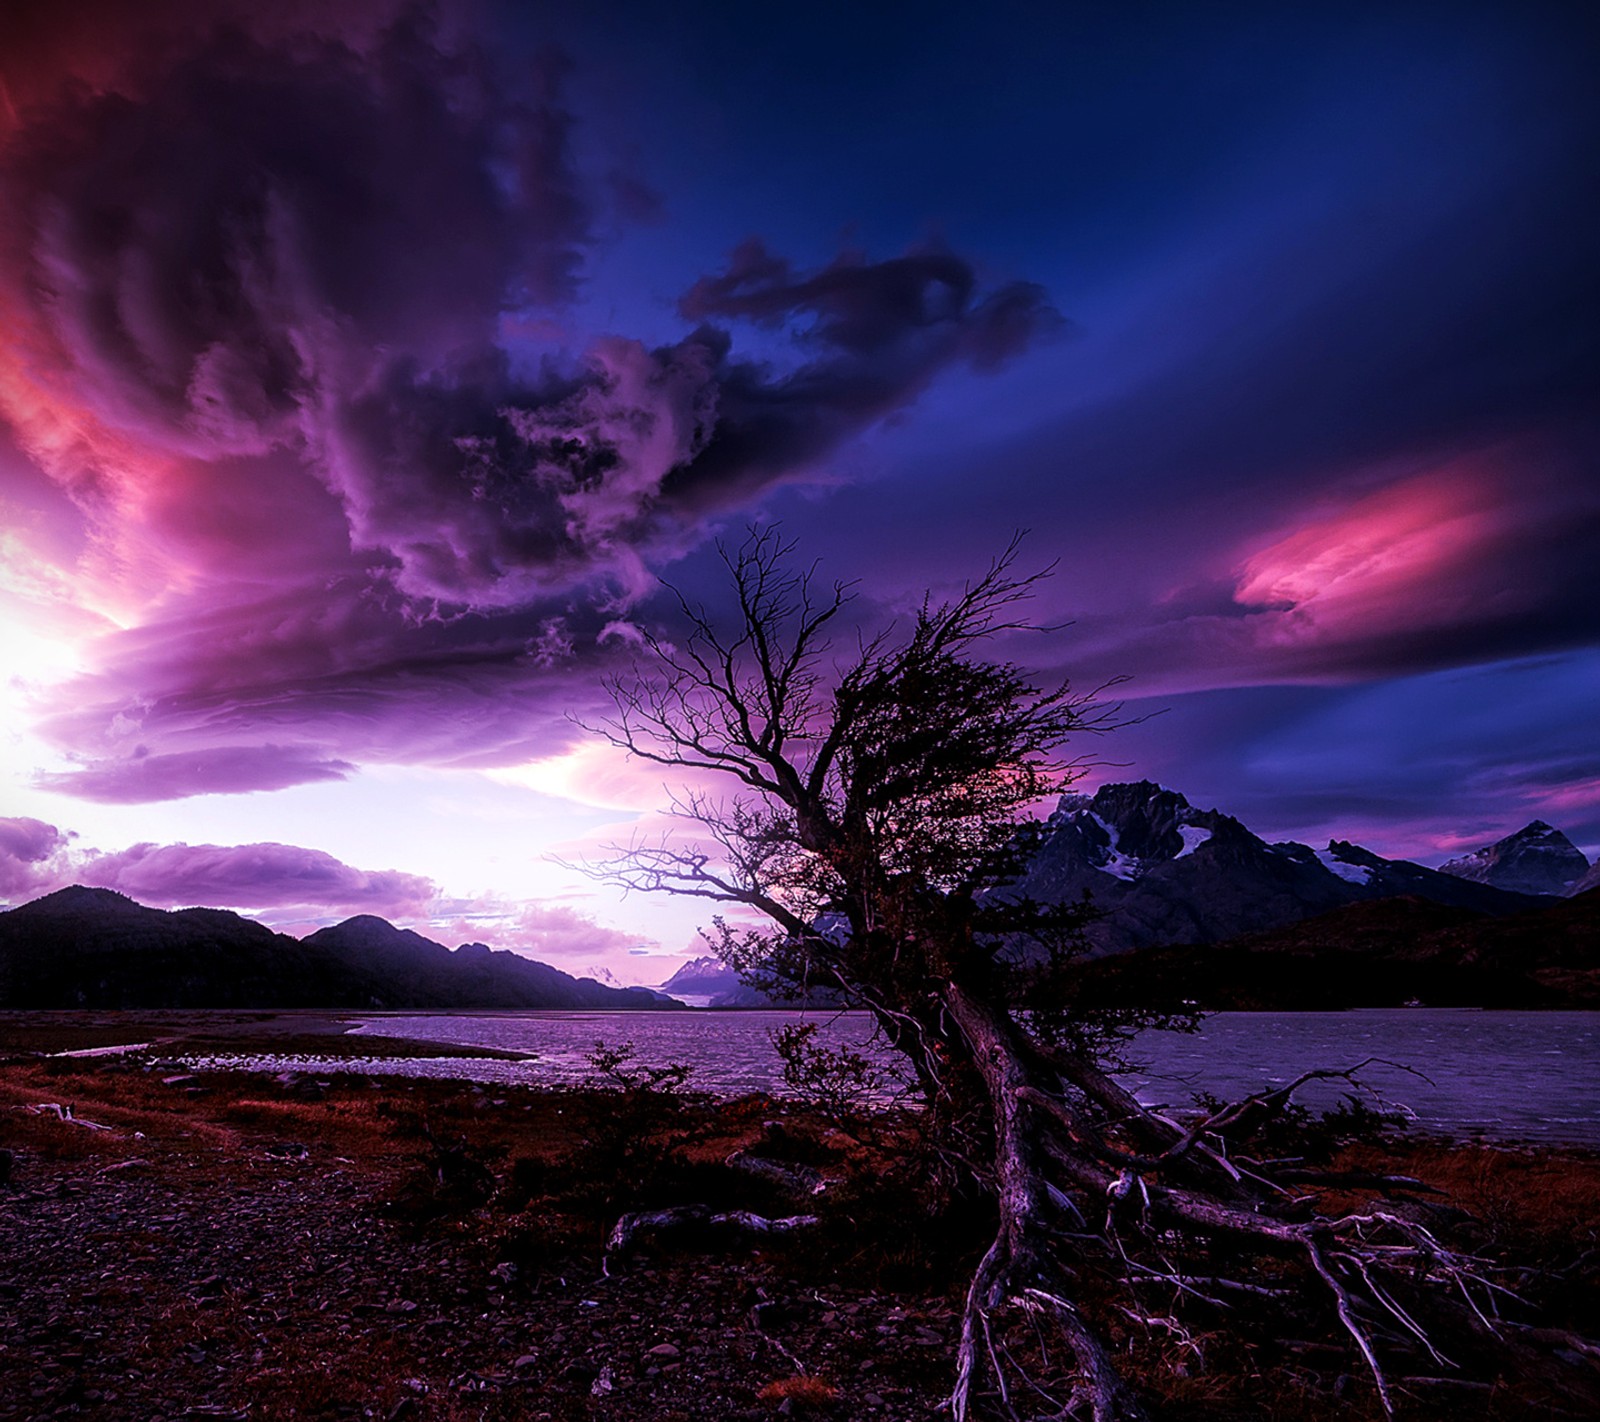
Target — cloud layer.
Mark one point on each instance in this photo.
(278, 877)
(256, 291)
(279, 880)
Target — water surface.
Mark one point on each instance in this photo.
(1501, 1075)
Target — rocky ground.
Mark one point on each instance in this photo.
(232, 1246)
(239, 1246)
(138, 1294)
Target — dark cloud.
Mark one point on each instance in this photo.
(253, 876)
(874, 336)
(869, 309)
(352, 671)
(491, 492)
(215, 770)
(216, 256)
(312, 247)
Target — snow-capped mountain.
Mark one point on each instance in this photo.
(1537, 859)
(1164, 872)
(702, 978)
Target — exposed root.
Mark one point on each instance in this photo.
(1097, 1384)
(1100, 1384)
(1341, 1299)
(1142, 1198)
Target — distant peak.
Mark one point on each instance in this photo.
(1122, 797)
(76, 897)
(1537, 859)
(368, 928)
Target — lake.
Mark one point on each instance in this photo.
(1500, 1075)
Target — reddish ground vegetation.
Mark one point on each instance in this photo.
(249, 1247)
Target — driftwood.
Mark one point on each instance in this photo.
(628, 1230)
(64, 1113)
(801, 1181)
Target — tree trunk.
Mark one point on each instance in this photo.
(1020, 1267)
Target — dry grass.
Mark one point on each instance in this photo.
(801, 1391)
(1519, 1190)
(144, 1115)
(351, 1127)
(304, 1378)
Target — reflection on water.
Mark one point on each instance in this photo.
(1506, 1075)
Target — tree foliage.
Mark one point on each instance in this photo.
(880, 812)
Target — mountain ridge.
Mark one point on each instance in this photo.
(83, 947)
(1165, 874)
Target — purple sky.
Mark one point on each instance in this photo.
(362, 371)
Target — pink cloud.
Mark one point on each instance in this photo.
(1396, 556)
(222, 770)
(27, 847)
(280, 877)
(1472, 558)
(545, 931)
(1555, 800)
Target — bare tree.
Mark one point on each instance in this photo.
(875, 822)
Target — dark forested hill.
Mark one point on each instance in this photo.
(1385, 953)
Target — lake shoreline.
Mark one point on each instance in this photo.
(1509, 1075)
